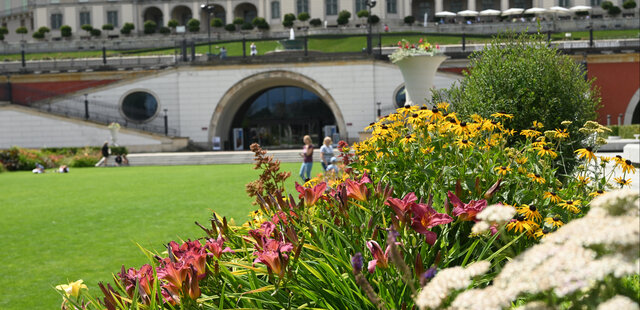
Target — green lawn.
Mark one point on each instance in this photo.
(85, 224)
(323, 44)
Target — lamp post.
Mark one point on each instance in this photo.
(208, 8)
(370, 4)
(166, 122)
(86, 106)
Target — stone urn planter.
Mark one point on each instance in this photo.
(418, 72)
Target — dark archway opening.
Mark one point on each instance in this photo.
(635, 119)
(420, 7)
(279, 117)
(154, 14)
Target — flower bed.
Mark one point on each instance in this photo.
(431, 193)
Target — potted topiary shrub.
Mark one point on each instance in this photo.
(65, 31)
(3, 31)
(629, 4)
(304, 17)
(316, 22)
(150, 27)
(217, 23)
(172, 23)
(260, 23)
(288, 20)
(193, 25)
(409, 20)
(230, 27)
(418, 64)
(96, 32)
(127, 28)
(22, 31)
(343, 17)
(106, 28)
(164, 30)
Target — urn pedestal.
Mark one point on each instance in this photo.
(418, 73)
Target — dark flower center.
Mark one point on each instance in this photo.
(423, 108)
(452, 121)
(435, 110)
(371, 124)
(537, 175)
(545, 231)
(414, 115)
(553, 194)
(569, 202)
(384, 127)
(494, 122)
(628, 162)
(463, 124)
(533, 208)
(445, 114)
(464, 141)
(589, 149)
(618, 157)
(599, 191)
(555, 218)
(520, 218)
(408, 136)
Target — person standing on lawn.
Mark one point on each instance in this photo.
(326, 152)
(105, 154)
(307, 159)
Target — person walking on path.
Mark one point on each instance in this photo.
(105, 154)
(254, 49)
(307, 159)
(326, 152)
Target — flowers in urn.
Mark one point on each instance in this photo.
(407, 49)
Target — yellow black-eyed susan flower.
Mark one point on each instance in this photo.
(586, 153)
(571, 205)
(530, 133)
(619, 160)
(407, 139)
(509, 132)
(536, 178)
(464, 143)
(541, 232)
(561, 134)
(502, 170)
(427, 150)
(522, 160)
(554, 222)
(502, 115)
(443, 106)
(521, 224)
(622, 181)
(627, 166)
(553, 197)
(538, 125)
(546, 151)
(583, 181)
(530, 212)
(597, 193)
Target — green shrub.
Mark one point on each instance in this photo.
(193, 25)
(343, 17)
(107, 27)
(217, 23)
(316, 22)
(38, 35)
(87, 28)
(4, 30)
(1, 37)
(172, 23)
(84, 161)
(373, 19)
(521, 75)
(627, 131)
(289, 16)
(409, 20)
(96, 32)
(127, 28)
(44, 29)
(230, 27)
(119, 150)
(65, 31)
(238, 21)
(287, 23)
(629, 4)
(261, 23)
(247, 26)
(615, 130)
(304, 16)
(150, 27)
(363, 13)
(605, 5)
(614, 10)
(22, 30)
(165, 30)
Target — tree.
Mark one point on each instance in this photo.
(65, 31)
(614, 10)
(409, 20)
(150, 27)
(238, 21)
(193, 25)
(172, 23)
(288, 20)
(230, 27)
(107, 28)
(217, 23)
(22, 31)
(373, 19)
(343, 17)
(96, 32)
(629, 4)
(520, 75)
(87, 28)
(605, 5)
(127, 28)
(303, 17)
(44, 29)
(261, 23)
(316, 22)
(363, 13)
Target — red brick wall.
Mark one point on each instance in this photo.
(618, 82)
(24, 93)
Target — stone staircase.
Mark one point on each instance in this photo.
(210, 158)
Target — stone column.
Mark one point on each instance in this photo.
(504, 5)
(166, 14)
(229, 9)
(471, 5)
(438, 6)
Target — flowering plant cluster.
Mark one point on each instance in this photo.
(407, 49)
(432, 198)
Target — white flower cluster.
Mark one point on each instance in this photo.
(564, 261)
(447, 280)
(492, 215)
(618, 303)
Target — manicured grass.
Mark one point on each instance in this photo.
(323, 44)
(85, 224)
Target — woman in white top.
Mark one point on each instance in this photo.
(326, 152)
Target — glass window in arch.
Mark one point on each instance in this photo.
(139, 106)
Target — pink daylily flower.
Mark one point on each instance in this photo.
(215, 247)
(274, 257)
(380, 259)
(358, 189)
(466, 211)
(311, 195)
(425, 217)
(402, 206)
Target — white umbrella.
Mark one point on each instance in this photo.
(468, 13)
(490, 12)
(445, 14)
(580, 8)
(535, 11)
(514, 11)
(558, 9)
